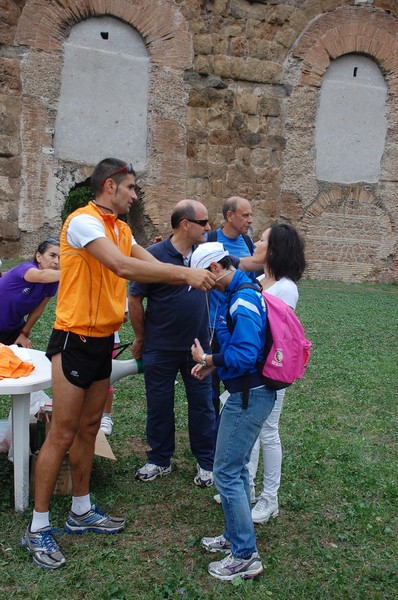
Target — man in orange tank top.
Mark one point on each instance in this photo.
(98, 255)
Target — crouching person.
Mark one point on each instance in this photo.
(240, 330)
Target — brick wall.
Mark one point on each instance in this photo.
(234, 90)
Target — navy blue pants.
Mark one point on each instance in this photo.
(160, 372)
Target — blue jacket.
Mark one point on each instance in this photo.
(237, 249)
(244, 348)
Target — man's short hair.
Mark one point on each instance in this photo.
(184, 211)
(229, 205)
(107, 169)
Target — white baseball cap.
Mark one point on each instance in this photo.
(207, 253)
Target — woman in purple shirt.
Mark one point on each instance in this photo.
(25, 291)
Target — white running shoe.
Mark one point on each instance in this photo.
(106, 424)
(216, 544)
(231, 567)
(264, 510)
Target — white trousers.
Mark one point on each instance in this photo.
(270, 443)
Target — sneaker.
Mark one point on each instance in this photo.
(149, 472)
(264, 510)
(93, 520)
(106, 424)
(231, 567)
(216, 544)
(203, 478)
(217, 497)
(43, 548)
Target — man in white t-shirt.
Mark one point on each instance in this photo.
(98, 253)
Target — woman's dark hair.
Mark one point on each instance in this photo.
(285, 254)
(43, 246)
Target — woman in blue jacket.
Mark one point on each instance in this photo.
(241, 335)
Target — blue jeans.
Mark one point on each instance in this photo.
(160, 372)
(238, 430)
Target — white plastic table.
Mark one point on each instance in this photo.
(20, 390)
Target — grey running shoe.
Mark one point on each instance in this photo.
(149, 472)
(203, 478)
(231, 567)
(216, 544)
(43, 548)
(93, 520)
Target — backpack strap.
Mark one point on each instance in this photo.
(249, 242)
(212, 235)
(252, 286)
(230, 325)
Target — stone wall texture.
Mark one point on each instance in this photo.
(234, 90)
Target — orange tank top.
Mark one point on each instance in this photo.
(91, 298)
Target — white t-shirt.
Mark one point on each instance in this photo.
(286, 290)
(84, 229)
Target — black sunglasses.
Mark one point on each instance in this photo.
(201, 222)
(128, 168)
(52, 240)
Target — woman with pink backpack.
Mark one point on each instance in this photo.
(281, 251)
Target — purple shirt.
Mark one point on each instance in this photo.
(19, 297)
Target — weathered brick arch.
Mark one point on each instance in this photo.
(353, 247)
(339, 33)
(41, 31)
(354, 194)
(45, 26)
(328, 208)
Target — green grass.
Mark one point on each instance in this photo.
(336, 536)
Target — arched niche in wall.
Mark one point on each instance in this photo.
(351, 123)
(43, 29)
(104, 94)
(359, 217)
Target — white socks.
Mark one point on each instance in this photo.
(81, 504)
(40, 520)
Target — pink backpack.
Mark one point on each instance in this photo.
(287, 350)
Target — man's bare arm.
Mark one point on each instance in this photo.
(247, 264)
(137, 319)
(145, 270)
(138, 251)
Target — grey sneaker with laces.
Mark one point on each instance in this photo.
(43, 548)
(231, 567)
(203, 478)
(93, 520)
(216, 544)
(149, 472)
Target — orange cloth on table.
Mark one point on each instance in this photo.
(11, 366)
